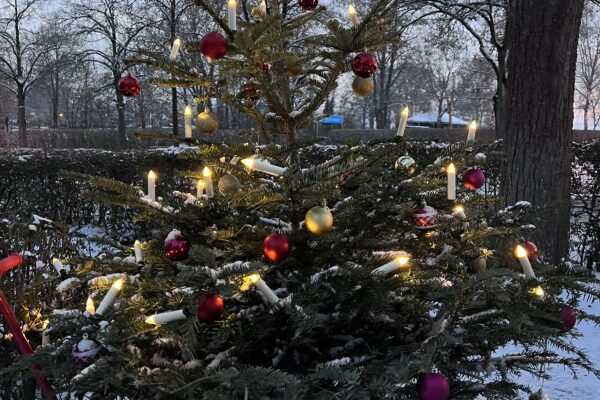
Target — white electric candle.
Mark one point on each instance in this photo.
(58, 265)
(231, 15)
(208, 184)
(175, 49)
(187, 119)
(352, 15)
(403, 121)
(398, 263)
(166, 317)
(110, 297)
(200, 186)
(472, 130)
(263, 7)
(451, 170)
(256, 164)
(137, 248)
(261, 285)
(151, 185)
(521, 254)
(89, 306)
(459, 212)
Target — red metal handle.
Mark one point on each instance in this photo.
(10, 262)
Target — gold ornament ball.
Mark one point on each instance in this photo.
(293, 64)
(228, 184)
(363, 86)
(319, 220)
(478, 265)
(207, 122)
(406, 164)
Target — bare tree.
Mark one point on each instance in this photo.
(588, 64)
(20, 54)
(112, 26)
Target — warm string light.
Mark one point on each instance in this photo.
(200, 186)
(208, 184)
(137, 249)
(232, 15)
(175, 49)
(256, 164)
(89, 306)
(352, 15)
(110, 296)
(399, 262)
(187, 119)
(166, 317)
(263, 7)
(256, 281)
(472, 130)
(538, 291)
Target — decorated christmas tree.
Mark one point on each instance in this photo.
(378, 270)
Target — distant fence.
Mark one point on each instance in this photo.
(108, 139)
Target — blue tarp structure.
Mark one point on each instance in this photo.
(333, 120)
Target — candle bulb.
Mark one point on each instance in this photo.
(451, 170)
(210, 193)
(175, 49)
(151, 185)
(403, 121)
(200, 186)
(89, 306)
(137, 248)
(231, 15)
(521, 254)
(166, 317)
(398, 263)
(187, 119)
(110, 297)
(256, 164)
(352, 15)
(263, 7)
(459, 212)
(256, 280)
(472, 130)
(58, 266)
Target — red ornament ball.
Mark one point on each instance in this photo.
(432, 386)
(129, 86)
(308, 5)
(532, 251)
(266, 67)
(364, 65)
(473, 179)
(276, 247)
(213, 45)
(176, 246)
(425, 217)
(210, 308)
(250, 93)
(568, 317)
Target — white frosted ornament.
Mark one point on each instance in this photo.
(85, 351)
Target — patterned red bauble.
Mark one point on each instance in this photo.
(276, 247)
(568, 317)
(425, 217)
(129, 86)
(210, 308)
(473, 179)
(213, 45)
(364, 65)
(532, 251)
(249, 93)
(432, 386)
(176, 246)
(308, 5)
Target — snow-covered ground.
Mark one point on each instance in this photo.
(563, 386)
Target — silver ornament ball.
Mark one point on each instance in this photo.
(406, 164)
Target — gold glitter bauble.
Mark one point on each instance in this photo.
(363, 86)
(207, 122)
(319, 220)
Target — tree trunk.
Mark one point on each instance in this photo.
(55, 98)
(500, 96)
(120, 113)
(541, 37)
(586, 110)
(21, 117)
